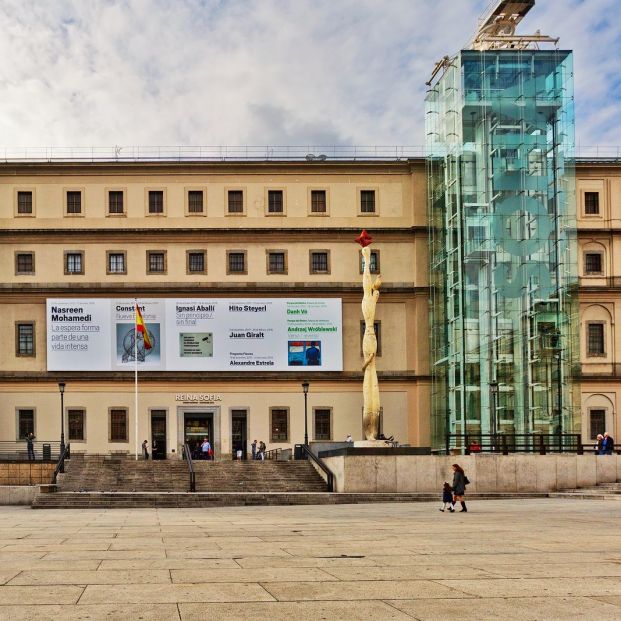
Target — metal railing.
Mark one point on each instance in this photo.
(18, 451)
(505, 443)
(60, 466)
(187, 453)
(274, 454)
(320, 464)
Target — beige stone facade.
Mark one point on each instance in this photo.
(97, 230)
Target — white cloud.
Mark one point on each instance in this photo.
(235, 72)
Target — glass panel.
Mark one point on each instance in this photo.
(75, 424)
(25, 338)
(25, 423)
(274, 201)
(156, 201)
(74, 202)
(115, 202)
(236, 201)
(280, 426)
(597, 423)
(318, 201)
(237, 262)
(24, 202)
(196, 262)
(195, 201)
(118, 426)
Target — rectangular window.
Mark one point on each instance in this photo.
(24, 263)
(236, 201)
(322, 424)
(196, 262)
(373, 263)
(318, 201)
(236, 262)
(595, 344)
(280, 424)
(116, 263)
(24, 202)
(276, 263)
(367, 201)
(115, 201)
(25, 423)
(195, 201)
(118, 426)
(74, 263)
(319, 262)
(74, 201)
(156, 201)
(25, 339)
(156, 262)
(593, 263)
(591, 203)
(75, 424)
(597, 423)
(377, 325)
(275, 201)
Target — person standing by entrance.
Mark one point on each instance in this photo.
(30, 446)
(460, 480)
(253, 447)
(206, 449)
(145, 450)
(262, 448)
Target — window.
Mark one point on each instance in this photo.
(196, 262)
(24, 203)
(75, 424)
(156, 201)
(377, 325)
(118, 426)
(116, 263)
(275, 201)
(318, 201)
(367, 201)
(236, 201)
(74, 201)
(322, 424)
(195, 201)
(24, 263)
(319, 262)
(156, 262)
(115, 202)
(74, 263)
(236, 262)
(593, 263)
(276, 262)
(373, 263)
(280, 424)
(597, 423)
(591, 203)
(25, 423)
(595, 339)
(24, 339)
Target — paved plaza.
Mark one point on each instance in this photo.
(513, 559)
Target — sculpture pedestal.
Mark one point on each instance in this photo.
(370, 444)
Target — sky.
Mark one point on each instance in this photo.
(264, 72)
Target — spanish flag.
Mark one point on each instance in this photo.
(142, 328)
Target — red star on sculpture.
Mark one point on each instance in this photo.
(364, 239)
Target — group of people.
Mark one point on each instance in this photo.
(452, 494)
(605, 444)
(258, 450)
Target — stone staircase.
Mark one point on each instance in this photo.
(604, 491)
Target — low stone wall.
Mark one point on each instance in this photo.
(487, 473)
(26, 473)
(18, 494)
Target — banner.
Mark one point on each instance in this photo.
(207, 334)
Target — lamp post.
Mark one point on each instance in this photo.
(305, 386)
(493, 387)
(61, 388)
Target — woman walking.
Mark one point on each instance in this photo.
(460, 480)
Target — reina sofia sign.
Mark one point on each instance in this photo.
(200, 397)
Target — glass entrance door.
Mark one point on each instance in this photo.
(239, 436)
(158, 434)
(196, 427)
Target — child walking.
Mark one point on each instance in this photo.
(447, 497)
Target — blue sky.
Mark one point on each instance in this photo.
(236, 72)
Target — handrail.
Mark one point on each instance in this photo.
(60, 466)
(321, 464)
(274, 454)
(506, 443)
(188, 458)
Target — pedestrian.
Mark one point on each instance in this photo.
(262, 448)
(599, 444)
(253, 447)
(30, 446)
(145, 450)
(460, 480)
(608, 444)
(447, 497)
(349, 439)
(206, 451)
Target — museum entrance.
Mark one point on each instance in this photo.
(239, 435)
(158, 434)
(196, 427)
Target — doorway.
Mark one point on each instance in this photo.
(196, 427)
(239, 435)
(158, 434)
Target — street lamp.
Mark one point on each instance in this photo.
(305, 386)
(61, 388)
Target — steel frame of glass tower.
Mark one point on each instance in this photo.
(503, 273)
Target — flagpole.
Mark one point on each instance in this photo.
(136, 372)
